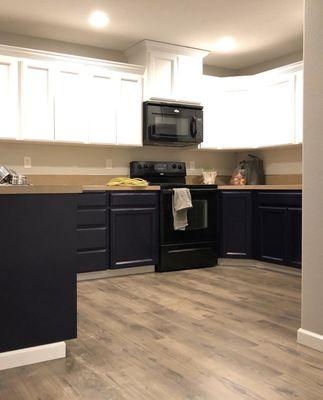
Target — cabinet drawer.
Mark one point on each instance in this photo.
(292, 199)
(96, 217)
(92, 199)
(93, 260)
(126, 199)
(91, 238)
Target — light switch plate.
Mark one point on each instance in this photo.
(108, 163)
(192, 165)
(27, 162)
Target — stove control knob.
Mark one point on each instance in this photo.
(139, 166)
(145, 166)
(180, 166)
(174, 166)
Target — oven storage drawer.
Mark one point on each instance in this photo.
(178, 257)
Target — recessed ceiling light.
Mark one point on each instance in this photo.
(99, 19)
(225, 44)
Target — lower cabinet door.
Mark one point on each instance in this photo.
(134, 237)
(272, 234)
(294, 243)
(236, 224)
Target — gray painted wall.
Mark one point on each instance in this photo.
(312, 301)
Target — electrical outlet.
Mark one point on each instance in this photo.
(27, 162)
(192, 165)
(108, 163)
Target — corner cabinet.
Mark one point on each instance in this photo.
(134, 225)
(246, 112)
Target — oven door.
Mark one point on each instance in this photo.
(202, 218)
(166, 123)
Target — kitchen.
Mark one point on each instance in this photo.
(76, 116)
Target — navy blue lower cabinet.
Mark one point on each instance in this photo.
(134, 229)
(236, 237)
(92, 232)
(37, 269)
(278, 228)
(272, 234)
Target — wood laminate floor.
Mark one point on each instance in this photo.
(224, 333)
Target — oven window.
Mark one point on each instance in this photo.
(198, 215)
(170, 125)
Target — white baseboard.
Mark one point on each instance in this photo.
(236, 262)
(32, 355)
(109, 273)
(310, 339)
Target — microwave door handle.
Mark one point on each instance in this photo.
(193, 127)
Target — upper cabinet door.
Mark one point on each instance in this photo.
(189, 78)
(235, 114)
(275, 110)
(102, 93)
(129, 117)
(70, 104)
(162, 71)
(8, 97)
(228, 113)
(37, 101)
(299, 107)
(211, 101)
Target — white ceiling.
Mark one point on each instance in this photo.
(263, 29)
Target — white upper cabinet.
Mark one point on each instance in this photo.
(189, 78)
(129, 116)
(161, 75)
(211, 101)
(228, 113)
(101, 97)
(173, 73)
(8, 97)
(37, 101)
(299, 107)
(71, 123)
(275, 110)
(263, 110)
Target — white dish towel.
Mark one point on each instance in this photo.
(182, 201)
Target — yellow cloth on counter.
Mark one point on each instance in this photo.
(122, 181)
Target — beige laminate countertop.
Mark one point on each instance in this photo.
(260, 187)
(40, 189)
(88, 188)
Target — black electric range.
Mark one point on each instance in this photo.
(196, 246)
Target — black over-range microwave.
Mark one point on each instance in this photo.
(168, 124)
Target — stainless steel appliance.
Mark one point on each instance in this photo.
(172, 124)
(10, 177)
(5, 174)
(197, 245)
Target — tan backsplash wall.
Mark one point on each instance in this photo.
(56, 159)
(282, 166)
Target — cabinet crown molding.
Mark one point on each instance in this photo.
(149, 45)
(22, 52)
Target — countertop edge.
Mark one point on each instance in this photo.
(260, 187)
